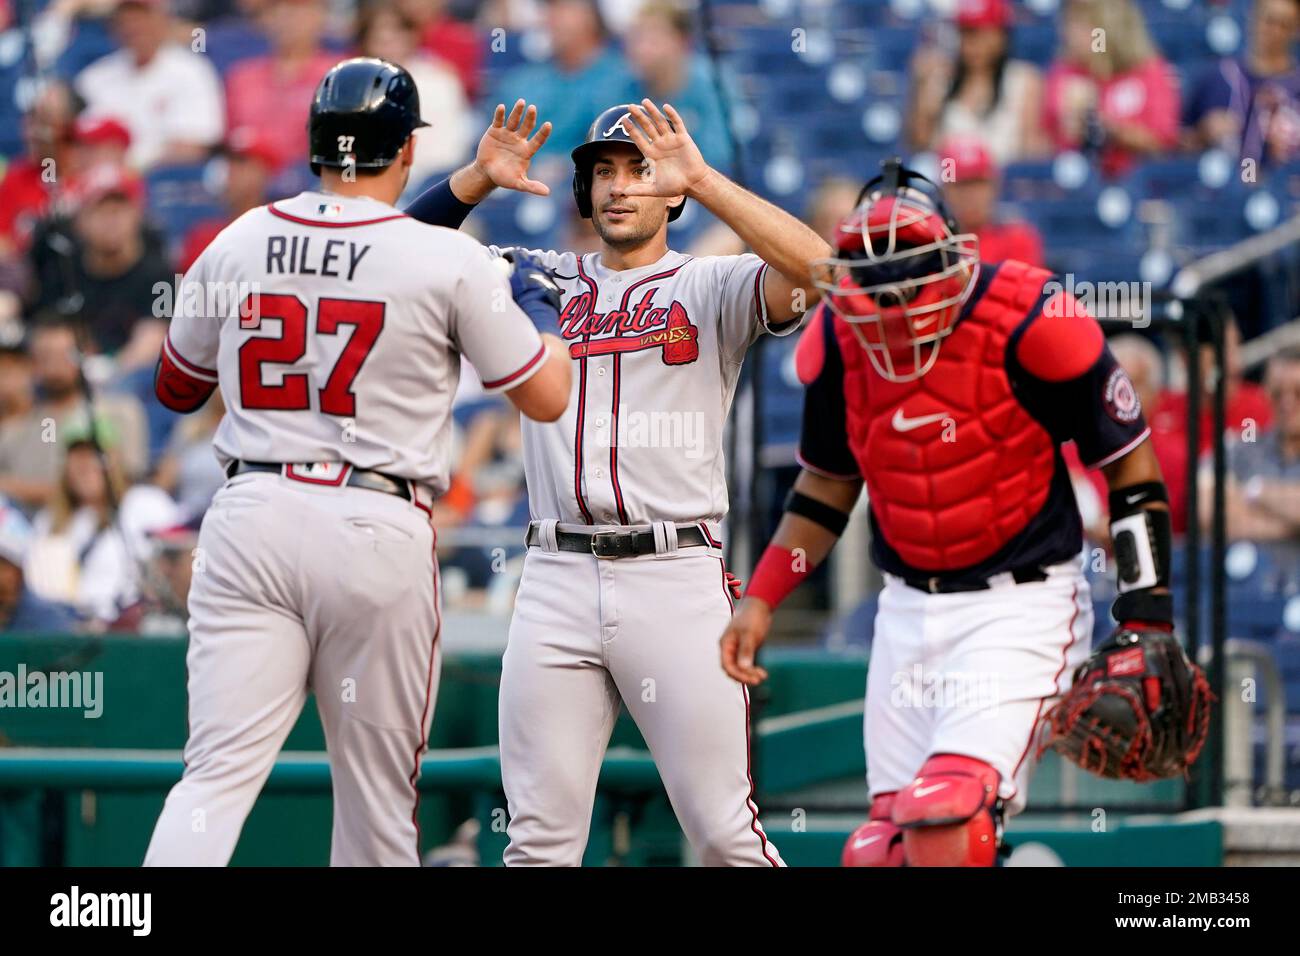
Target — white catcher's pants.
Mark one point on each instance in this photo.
(971, 673)
(303, 586)
(589, 633)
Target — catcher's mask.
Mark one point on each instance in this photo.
(901, 273)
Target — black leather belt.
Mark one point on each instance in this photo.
(358, 478)
(937, 585)
(616, 544)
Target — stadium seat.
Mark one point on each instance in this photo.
(1284, 180)
(1164, 178)
(91, 39)
(1184, 42)
(1070, 225)
(1202, 225)
(232, 41)
(854, 629)
(179, 198)
(1253, 614)
(781, 398)
(1064, 177)
(1099, 266)
(1036, 42)
(892, 47)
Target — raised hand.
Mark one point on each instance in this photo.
(677, 164)
(506, 149)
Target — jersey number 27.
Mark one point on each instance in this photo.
(292, 394)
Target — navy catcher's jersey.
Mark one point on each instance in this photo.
(1096, 407)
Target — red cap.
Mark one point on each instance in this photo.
(246, 142)
(101, 131)
(970, 158)
(108, 179)
(983, 13)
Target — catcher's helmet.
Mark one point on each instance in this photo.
(610, 127)
(362, 114)
(901, 273)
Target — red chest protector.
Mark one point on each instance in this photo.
(954, 464)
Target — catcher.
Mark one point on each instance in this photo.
(946, 386)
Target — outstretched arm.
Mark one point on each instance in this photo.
(504, 155)
(778, 238)
(816, 512)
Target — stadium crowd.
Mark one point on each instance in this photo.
(133, 131)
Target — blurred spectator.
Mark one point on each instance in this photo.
(30, 181)
(1250, 104)
(237, 34)
(100, 141)
(1263, 492)
(73, 34)
(29, 455)
(21, 611)
(56, 368)
(167, 572)
(660, 50)
(263, 92)
(384, 31)
(583, 77)
(15, 63)
(487, 491)
(108, 276)
(189, 471)
(1110, 91)
(981, 91)
(446, 38)
(132, 375)
(167, 96)
(82, 553)
(971, 186)
(832, 200)
(249, 164)
(1246, 405)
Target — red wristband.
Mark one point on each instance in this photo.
(779, 571)
(1147, 625)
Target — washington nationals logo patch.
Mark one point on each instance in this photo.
(1121, 398)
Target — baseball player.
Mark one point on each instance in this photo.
(945, 387)
(624, 587)
(337, 360)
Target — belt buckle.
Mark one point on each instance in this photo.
(609, 535)
(933, 585)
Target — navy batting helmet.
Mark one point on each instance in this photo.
(363, 112)
(611, 126)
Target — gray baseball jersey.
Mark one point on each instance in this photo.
(335, 328)
(342, 343)
(657, 353)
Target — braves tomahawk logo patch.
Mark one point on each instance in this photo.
(633, 330)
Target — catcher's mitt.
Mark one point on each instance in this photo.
(1138, 709)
